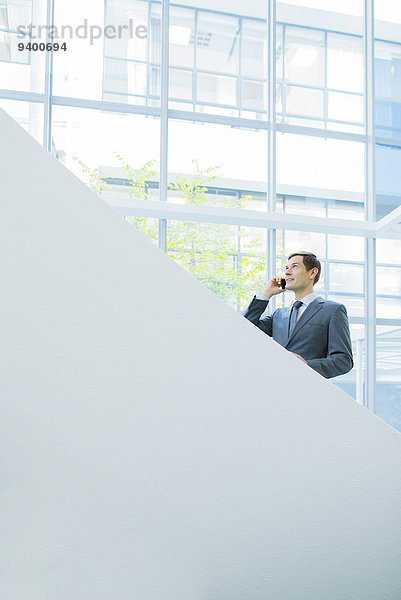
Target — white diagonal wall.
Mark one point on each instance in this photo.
(157, 446)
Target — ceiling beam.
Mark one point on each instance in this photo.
(390, 220)
(234, 216)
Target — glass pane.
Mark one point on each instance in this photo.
(228, 259)
(304, 206)
(218, 42)
(109, 46)
(216, 159)
(227, 54)
(388, 281)
(344, 63)
(180, 84)
(388, 308)
(353, 382)
(125, 81)
(388, 89)
(304, 240)
(387, 68)
(345, 247)
(124, 17)
(114, 164)
(343, 7)
(346, 278)
(28, 115)
(254, 49)
(319, 164)
(387, 11)
(181, 37)
(339, 209)
(304, 101)
(388, 179)
(254, 95)
(279, 52)
(345, 107)
(9, 50)
(217, 89)
(388, 251)
(388, 388)
(22, 22)
(355, 305)
(304, 56)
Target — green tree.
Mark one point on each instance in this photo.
(228, 259)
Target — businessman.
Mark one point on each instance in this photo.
(314, 329)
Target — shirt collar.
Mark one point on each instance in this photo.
(306, 300)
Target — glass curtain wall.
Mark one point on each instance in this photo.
(236, 109)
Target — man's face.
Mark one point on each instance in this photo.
(296, 275)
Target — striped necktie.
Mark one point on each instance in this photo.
(293, 316)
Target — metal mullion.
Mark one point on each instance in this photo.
(317, 119)
(22, 96)
(106, 106)
(325, 95)
(351, 123)
(239, 77)
(271, 141)
(129, 60)
(338, 261)
(324, 133)
(104, 52)
(314, 28)
(284, 83)
(347, 295)
(388, 297)
(47, 109)
(326, 257)
(389, 322)
(217, 12)
(14, 31)
(195, 69)
(218, 119)
(229, 75)
(218, 74)
(307, 117)
(327, 275)
(370, 206)
(239, 257)
(129, 95)
(338, 91)
(306, 86)
(216, 105)
(148, 61)
(164, 79)
(396, 142)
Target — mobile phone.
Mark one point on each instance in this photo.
(283, 284)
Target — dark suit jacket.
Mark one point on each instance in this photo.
(321, 335)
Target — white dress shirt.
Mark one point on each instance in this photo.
(306, 300)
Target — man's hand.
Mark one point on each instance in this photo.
(300, 357)
(273, 287)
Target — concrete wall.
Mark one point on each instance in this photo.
(157, 446)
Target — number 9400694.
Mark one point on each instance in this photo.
(34, 46)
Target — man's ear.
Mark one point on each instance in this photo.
(313, 271)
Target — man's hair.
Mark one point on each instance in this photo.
(310, 261)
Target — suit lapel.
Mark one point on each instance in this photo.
(309, 312)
